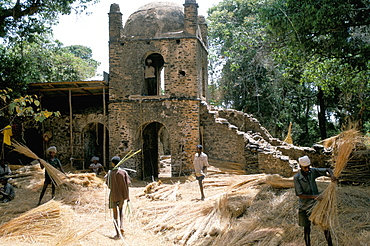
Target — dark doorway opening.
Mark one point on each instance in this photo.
(93, 142)
(156, 146)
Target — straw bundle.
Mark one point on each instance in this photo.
(55, 174)
(34, 220)
(159, 191)
(325, 212)
(192, 223)
(84, 180)
(276, 181)
(288, 138)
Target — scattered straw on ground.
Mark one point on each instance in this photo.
(238, 210)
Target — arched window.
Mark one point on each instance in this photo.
(152, 74)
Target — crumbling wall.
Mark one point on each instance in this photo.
(235, 136)
(220, 140)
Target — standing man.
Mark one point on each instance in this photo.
(55, 162)
(150, 78)
(7, 191)
(118, 180)
(200, 167)
(306, 189)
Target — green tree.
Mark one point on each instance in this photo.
(248, 76)
(332, 38)
(330, 29)
(24, 17)
(280, 61)
(27, 106)
(43, 61)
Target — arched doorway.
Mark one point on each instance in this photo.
(156, 145)
(93, 143)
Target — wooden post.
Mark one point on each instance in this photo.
(71, 126)
(104, 132)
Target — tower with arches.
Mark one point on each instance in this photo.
(157, 82)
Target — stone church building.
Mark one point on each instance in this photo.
(155, 99)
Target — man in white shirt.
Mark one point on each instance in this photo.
(150, 78)
(200, 167)
(95, 166)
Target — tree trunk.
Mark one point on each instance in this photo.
(321, 114)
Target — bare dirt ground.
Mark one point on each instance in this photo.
(238, 210)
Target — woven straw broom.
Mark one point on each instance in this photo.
(55, 174)
(325, 212)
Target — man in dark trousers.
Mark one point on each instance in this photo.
(118, 181)
(306, 189)
(55, 162)
(200, 167)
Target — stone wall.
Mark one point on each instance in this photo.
(220, 141)
(60, 128)
(234, 136)
(180, 118)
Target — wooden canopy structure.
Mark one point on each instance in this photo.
(51, 94)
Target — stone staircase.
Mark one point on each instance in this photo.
(236, 137)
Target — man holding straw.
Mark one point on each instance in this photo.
(307, 191)
(118, 181)
(55, 162)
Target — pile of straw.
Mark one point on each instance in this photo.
(55, 174)
(325, 213)
(84, 180)
(48, 224)
(34, 220)
(159, 191)
(190, 223)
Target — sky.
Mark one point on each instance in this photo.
(92, 30)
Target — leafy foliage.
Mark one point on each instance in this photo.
(27, 54)
(331, 29)
(22, 18)
(300, 61)
(43, 61)
(27, 106)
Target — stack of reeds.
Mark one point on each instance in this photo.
(288, 138)
(325, 213)
(33, 220)
(159, 191)
(51, 223)
(84, 180)
(55, 174)
(358, 168)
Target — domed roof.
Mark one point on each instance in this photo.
(157, 19)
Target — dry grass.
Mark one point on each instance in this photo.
(56, 175)
(325, 212)
(244, 210)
